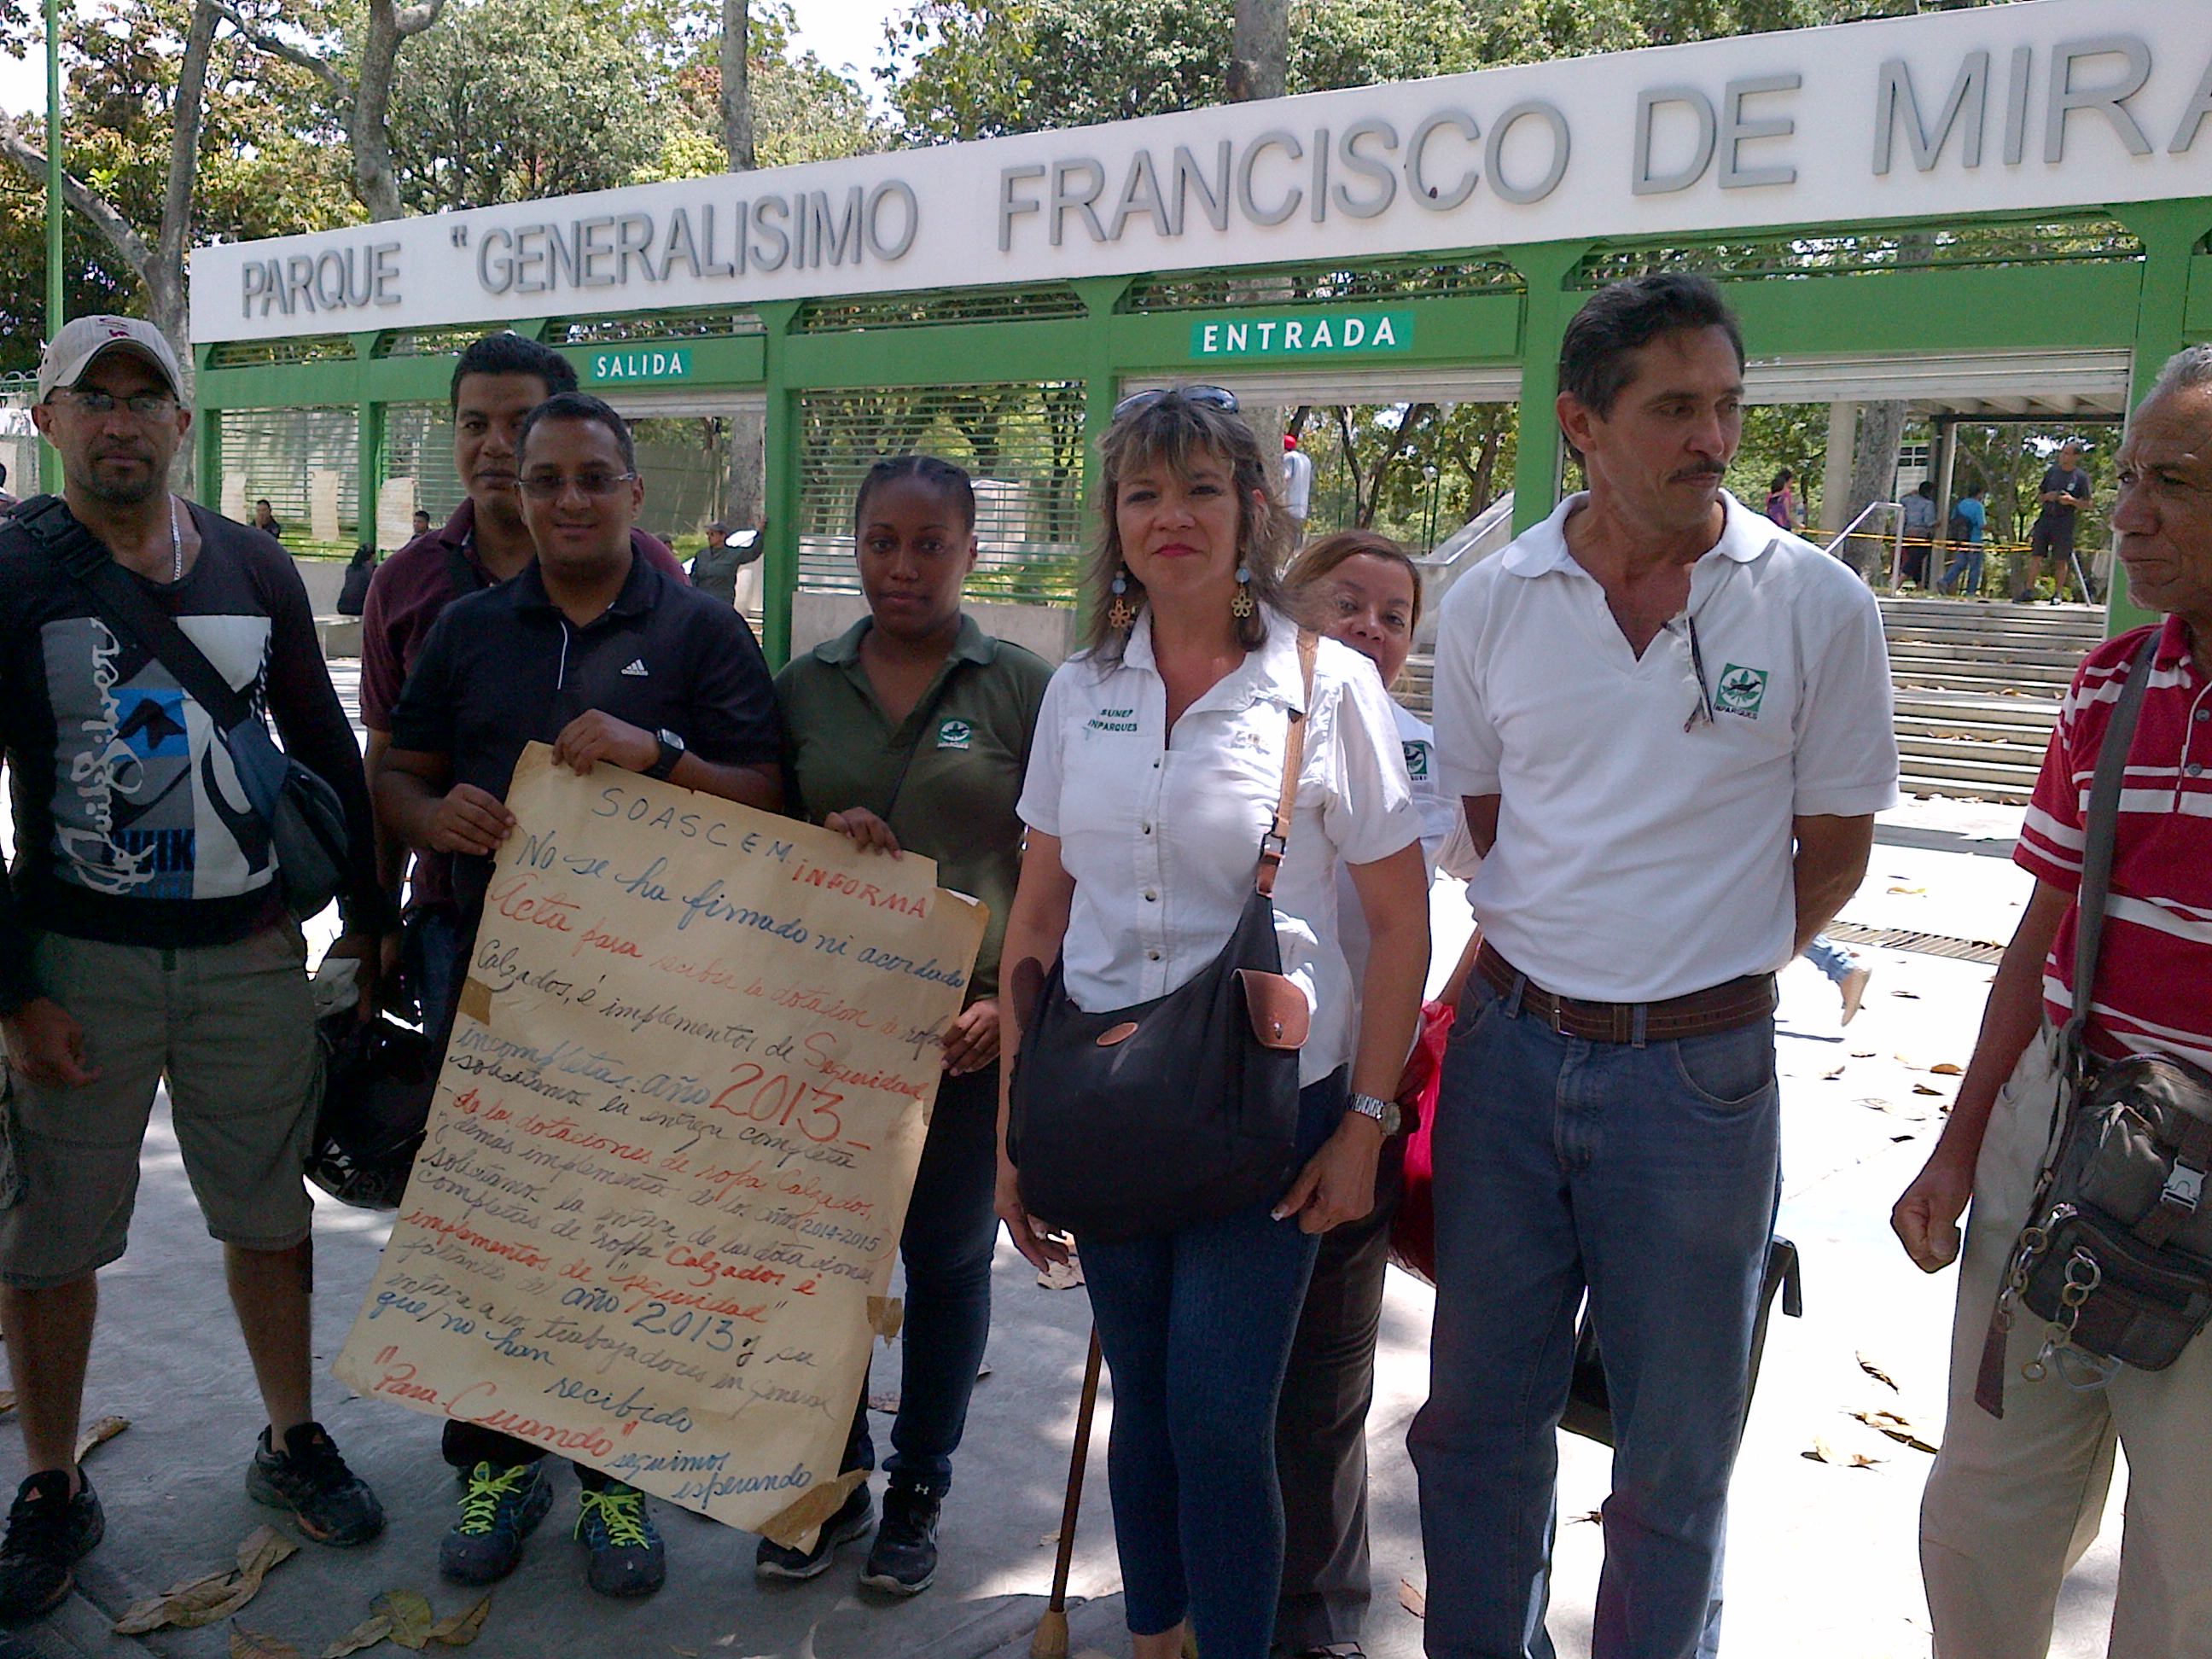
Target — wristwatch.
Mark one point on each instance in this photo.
(672, 750)
(1384, 1112)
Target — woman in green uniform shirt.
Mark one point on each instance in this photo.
(912, 730)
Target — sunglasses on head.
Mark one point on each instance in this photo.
(1213, 396)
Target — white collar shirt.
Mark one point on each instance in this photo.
(1640, 854)
(1161, 837)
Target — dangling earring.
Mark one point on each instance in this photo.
(1121, 616)
(1241, 605)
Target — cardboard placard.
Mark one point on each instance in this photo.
(653, 1222)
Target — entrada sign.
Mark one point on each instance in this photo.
(1327, 335)
(662, 363)
(2029, 107)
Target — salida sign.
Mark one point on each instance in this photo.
(2046, 103)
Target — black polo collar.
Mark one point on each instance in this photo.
(640, 590)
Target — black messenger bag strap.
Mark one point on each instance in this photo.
(2099, 837)
(125, 605)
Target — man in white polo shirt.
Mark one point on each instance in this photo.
(1670, 722)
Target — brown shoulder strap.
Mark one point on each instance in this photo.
(1277, 841)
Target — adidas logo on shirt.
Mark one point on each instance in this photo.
(636, 667)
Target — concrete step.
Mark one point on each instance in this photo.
(1912, 783)
(1901, 636)
(2029, 739)
(2061, 659)
(2088, 620)
(2038, 713)
(2045, 683)
(1956, 768)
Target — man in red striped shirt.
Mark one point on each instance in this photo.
(2012, 1502)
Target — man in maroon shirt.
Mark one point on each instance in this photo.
(497, 381)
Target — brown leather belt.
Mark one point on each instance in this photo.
(1701, 1013)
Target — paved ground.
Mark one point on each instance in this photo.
(1821, 1560)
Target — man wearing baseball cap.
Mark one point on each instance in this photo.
(144, 931)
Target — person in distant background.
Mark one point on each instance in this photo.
(2063, 493)
(265, 521)
(6, 500)
(1298, 481)
(422, 523)
(1970, 517)
(1919, 532)
(1782, 504)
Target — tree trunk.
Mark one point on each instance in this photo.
(736, 85)
(373, 179)
(1259, 54)
(1874, 472)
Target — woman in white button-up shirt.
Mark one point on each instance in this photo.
(1154, 774)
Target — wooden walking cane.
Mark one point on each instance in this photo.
(1050, 1641)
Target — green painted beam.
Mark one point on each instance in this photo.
(1547, 308)
(2069, 306)
(780, 500)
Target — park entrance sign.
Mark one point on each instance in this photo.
(2023, 107)
(1970, 199)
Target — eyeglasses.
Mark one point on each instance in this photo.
(1703, 713)
(1213, 397)
(146, 405)
(548, 486)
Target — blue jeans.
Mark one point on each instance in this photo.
(432, 961)
(951, 1230)
(1968, 560)
(1196, 1326)
(1648, 1175)
(1831, 958)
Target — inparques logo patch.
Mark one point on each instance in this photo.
(955, 734)
(1741, 690)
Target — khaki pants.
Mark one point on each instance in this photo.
(2013, 1502)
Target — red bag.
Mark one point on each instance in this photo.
(1413, 1230)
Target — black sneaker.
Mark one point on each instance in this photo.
(328, 1501)
(903, 1558)
(48, 1530)
(853, 1518)
(501, 1506)
(627, 1555)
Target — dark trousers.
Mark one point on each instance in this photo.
(1196, 1326)
(1320, 1427)
(951, 1230)
(466, 1444)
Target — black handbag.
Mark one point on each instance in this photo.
(305, 817)
(1135, 1121)
(2116, 1256)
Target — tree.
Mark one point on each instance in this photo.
(1258, 51)
(736, 85)
(359, 99)
(160, 267)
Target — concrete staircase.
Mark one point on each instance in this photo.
(1977, 690)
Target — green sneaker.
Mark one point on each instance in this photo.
(627, 1555)
(497, 1512)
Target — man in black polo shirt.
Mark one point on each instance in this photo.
(609, 659)
(2063, 492)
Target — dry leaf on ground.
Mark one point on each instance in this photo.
(212, 1595)
(102, 1430)
(1587, 1516)
(1829, 1077)
(259, 1644)
(1896, 1428)
(458, 1630)
(362, 1638)
(1923, 1089)
(1947, 1068)
(1908, 889)
(410, 1615)
(1415, 1601)
(1050, 1538)
(1909, 996)
(1061, 1276)
(883, 1399)
(1862, 1054)
(7, 1399)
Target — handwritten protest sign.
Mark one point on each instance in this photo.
(652, 1224)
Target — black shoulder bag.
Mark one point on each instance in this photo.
(306, 819)
(2116, 1256)
(1138, 1121)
